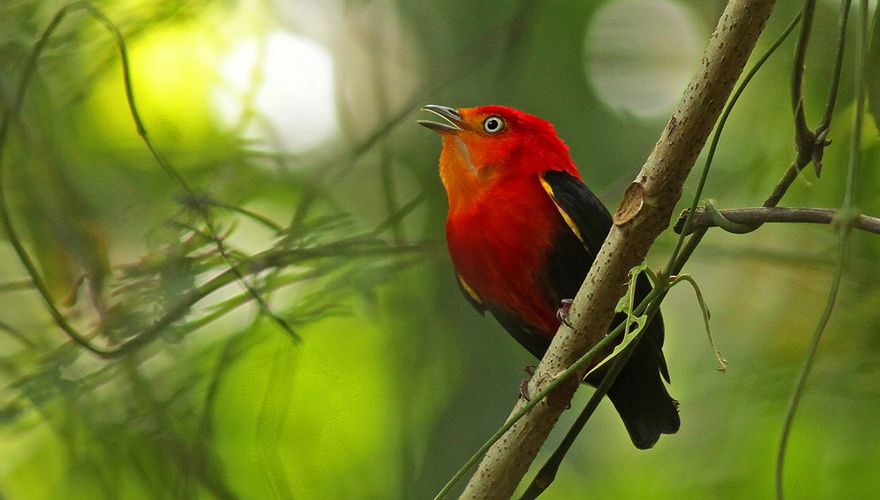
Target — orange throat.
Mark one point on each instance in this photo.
(465, 181)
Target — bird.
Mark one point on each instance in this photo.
(522, 231)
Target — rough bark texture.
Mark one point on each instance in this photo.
(644, 213)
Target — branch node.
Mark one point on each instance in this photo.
(726, 224)
(821, 142)
(633, 201)
(845, 218)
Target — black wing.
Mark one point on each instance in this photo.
(638, 394)
(587, 217)
(590, 222)
(574, 251)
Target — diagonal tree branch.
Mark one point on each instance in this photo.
(644, 213)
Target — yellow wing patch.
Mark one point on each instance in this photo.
(468, 290)
(571, 225)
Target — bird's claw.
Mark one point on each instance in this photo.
(562, 312)
(524, 392)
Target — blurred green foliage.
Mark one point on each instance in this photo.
(395, 380)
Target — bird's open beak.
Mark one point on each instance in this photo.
(450, 114)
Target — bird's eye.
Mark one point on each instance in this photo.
(493, 124)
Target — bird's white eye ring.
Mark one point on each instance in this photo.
(493, 124)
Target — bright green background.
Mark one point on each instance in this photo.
(389, 399)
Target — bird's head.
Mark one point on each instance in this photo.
(487, 144)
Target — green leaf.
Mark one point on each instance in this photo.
(628, 337)
(626, 304)
(722, 361)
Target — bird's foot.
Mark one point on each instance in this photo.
(562, 312)
(524, 392)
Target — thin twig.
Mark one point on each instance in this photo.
(256, 264)
(401, 213)
(804, 137)
(759, 215)
(11, 233)
(722, 121)
(202, 210)
(782, 186)
(822, 128)
(15, 108)
(16, 286)
(813, 152)
(261, 219)
(845, 224)
(330, 171)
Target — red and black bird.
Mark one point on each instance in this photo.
(523, 231)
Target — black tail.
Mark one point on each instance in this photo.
(641, 399)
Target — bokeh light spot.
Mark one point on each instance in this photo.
(170, 69)
(286, 83)
(640, 54)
